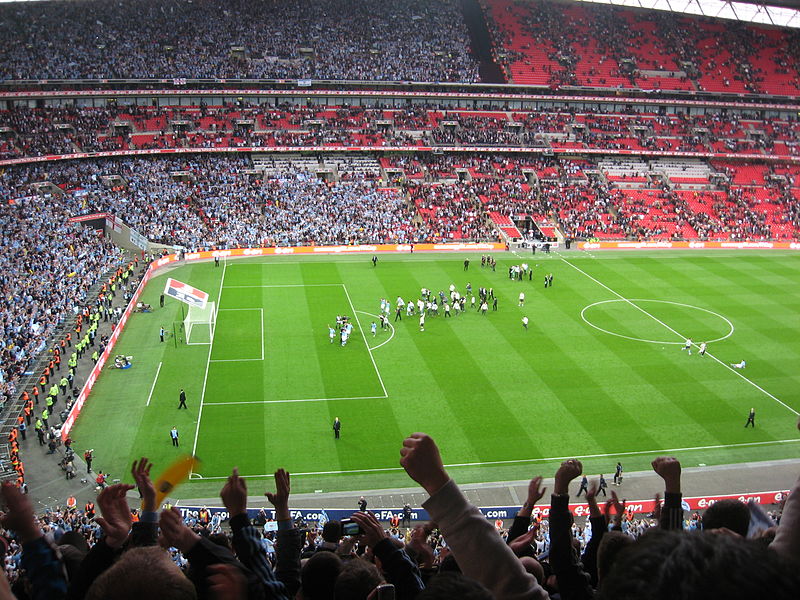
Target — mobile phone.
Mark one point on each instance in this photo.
(350, 527)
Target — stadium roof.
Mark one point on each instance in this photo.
(783, 13)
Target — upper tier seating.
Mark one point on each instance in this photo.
(558, 44)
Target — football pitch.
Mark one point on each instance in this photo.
(599, 374)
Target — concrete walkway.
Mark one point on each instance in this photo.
(47, 483)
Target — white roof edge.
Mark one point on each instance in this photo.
(746, 12)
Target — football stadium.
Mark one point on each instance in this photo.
(421, 299)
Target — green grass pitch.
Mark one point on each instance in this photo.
(599, 373)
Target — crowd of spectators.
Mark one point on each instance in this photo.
(208, 201)
(451, 212)
(112, 551)
(211, 201)
(67, 130)
(560, 44)
(408, 40)
(578, 197)
(541, 43)
(47, 267)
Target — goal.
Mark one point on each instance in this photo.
(198, 326)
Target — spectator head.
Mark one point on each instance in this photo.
(611, 545)
(144, 572)
(356, 580)
(731, 514)
(534, 567)
(73, 548)
(220, 539)
(319, 574)
(445, 586)
(332, 532)
(697, 565)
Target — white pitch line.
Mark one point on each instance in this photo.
(153, 387)
(755, 385)
(363, 335)
(390, 325)
(241, 261)
(262, 333)
(221, 360)
(535, 460)
(294, 400)
(656, 319)
(208, 361)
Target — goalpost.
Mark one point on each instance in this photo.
(198, 326)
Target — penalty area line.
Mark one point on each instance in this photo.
(153, 387)
(291, 401)
(531, 460)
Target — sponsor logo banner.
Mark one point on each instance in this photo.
(358, 249)
(81, 218)
(638, 507)
(662, 245)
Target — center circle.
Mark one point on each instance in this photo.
(636, 307)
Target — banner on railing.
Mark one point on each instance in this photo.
(637, 507)
(417, 148)
(665, 245)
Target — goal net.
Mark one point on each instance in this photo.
(198, 326)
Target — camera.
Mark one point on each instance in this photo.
(350, 527)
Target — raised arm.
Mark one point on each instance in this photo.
(400, 569)
(599, 527)
(522, 521)
(479, 551)
(290, 539)
(116, 525)
(44, 568)
(246, 540)
(202, 554)
(145, 531)
(669, 469)
(573, 582)
(787, 540)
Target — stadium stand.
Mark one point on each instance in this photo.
(557, 44)
(479, 189)
(42, 131)
(415, 40)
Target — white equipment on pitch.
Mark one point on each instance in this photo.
(198, 326)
